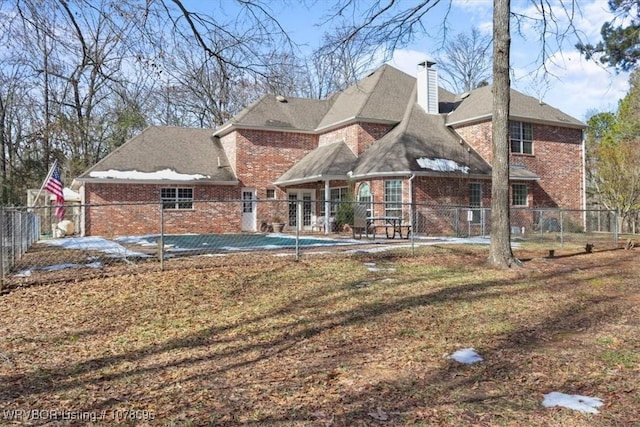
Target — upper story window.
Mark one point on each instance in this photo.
(177, 198)
(521, 136)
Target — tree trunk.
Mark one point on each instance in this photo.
(500, 254)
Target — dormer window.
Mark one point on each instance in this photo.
(521, 136)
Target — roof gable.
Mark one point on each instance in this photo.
(420, 144)
(165, 153)
(478, 104)
(330, 161)
(285, 113)
(381, 96)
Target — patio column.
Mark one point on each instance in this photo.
(327, 207)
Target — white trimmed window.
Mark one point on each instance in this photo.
(336, 195)
(519, 195)
(475, 200)
(271, 193)
(366, 198)
(521, 137)
(393, 198)
(177, 198)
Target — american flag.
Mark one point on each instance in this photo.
(54, 185)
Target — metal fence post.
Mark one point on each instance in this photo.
(615, 227)
(161, 238)
(561, 229)
(541, 224)
(299, 215)
(2, 254)
(412, 224)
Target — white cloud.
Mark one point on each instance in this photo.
(575, 85)
(572, 84)
(407, 60)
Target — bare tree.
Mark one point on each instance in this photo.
(91, 72)
(465, 62)
(338, 63)
(500, 253)
(393, 24)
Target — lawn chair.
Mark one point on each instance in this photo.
(319, 224)
(360, 222)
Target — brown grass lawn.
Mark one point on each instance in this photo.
(265, 340)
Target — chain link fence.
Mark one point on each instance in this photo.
(19, 229)
(112, 238)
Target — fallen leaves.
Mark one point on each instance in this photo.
(269, 341)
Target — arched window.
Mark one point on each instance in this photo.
(365, 197)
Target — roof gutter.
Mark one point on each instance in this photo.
(309, 179)
(521, 119)
(354, 119)
(154, 181)
(420, 173)
(230, 127)
(234, 126)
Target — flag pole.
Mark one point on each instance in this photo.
(51, 169)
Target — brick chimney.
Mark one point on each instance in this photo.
(428, 87)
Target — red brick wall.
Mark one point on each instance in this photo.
(121, 210)
(358, 136)
(557, 160)
(230, 148)
(260, 157)
(263, 156)
(478, 136)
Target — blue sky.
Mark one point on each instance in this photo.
(573, 84)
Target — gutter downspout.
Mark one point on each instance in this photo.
(411, 178)
(411, 213)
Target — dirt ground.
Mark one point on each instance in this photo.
(330, 340)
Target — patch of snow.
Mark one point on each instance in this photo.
(93, 244)
(376, 269)
(165, 174)
(467, 356)
(572, 401)
(58, 267)
(441, 165)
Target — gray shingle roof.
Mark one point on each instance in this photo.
(187, 151)
(420, 144)
(331, 161)
(521, 173)
(281, 113)
(479, 104)
(382, 96)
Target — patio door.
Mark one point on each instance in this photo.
(249, 209)
(306, 213)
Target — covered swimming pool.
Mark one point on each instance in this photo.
(239, 242)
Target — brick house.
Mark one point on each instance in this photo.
(388, 141)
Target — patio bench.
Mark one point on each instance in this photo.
(391, 229)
